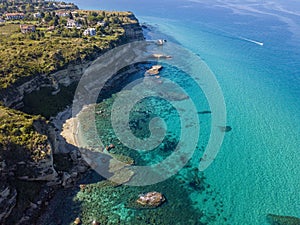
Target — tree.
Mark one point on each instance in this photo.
(71, 16)
(48, 17)
(95, 14)
(29, 8)
(23, 7)
(92, 19)
(100, 17)
(63, 21)
(32, 36)
(56, 21)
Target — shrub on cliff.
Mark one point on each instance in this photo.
(18, 137)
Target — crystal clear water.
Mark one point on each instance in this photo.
(257, 170)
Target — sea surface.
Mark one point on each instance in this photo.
(253, 49)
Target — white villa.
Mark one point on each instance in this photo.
(101, 23)
(73, 24)
(37, 15)
(62, 13)
(90, 32)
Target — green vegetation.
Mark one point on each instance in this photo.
(53, 46)
(30, 6)
(43, 103)
(18, 137)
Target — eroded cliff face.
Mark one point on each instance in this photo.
(133, 32)
(8, 195)
(8, 201)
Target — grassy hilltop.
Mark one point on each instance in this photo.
(52, 45)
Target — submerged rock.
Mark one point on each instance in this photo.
(161, 41)
(95, 222)
(282, 220)
(151, 199)
(110, 147)
(173, 95)
(160, 56)
(204, 112)
(154, 70)
(225, 128)
(77, 221)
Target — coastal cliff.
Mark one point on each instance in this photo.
(27, 148)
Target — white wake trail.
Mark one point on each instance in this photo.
(252, 41)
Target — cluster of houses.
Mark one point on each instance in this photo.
(75, 24)
(15, 16)
(71, 23)
(66, 13)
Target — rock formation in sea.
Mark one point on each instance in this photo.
(151, 199)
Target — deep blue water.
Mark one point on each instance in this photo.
(257, 169)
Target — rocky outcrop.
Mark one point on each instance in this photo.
(151, 199)
(8, 199)
(133, 31)
(154, 70)
(42, 169)
(14, 97)
(37, 171)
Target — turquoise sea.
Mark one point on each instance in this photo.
(257, 170)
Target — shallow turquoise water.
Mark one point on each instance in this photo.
(257, 169)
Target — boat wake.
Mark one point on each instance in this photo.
(252, 41)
